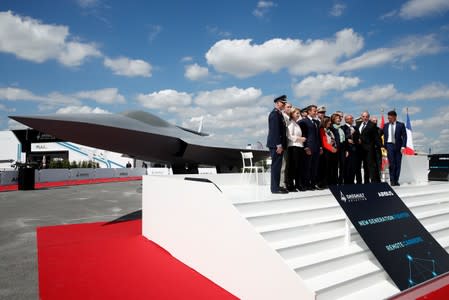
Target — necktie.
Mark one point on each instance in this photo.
(392, 132)
(363, 127)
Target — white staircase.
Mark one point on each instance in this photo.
(310, 231)
(259, 245)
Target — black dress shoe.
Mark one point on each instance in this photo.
(301, 188)
(310, 188)
(283, 189)
(318, 188)
(280, 192)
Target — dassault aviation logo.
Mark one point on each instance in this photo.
(352, 197)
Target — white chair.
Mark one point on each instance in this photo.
(248, 157)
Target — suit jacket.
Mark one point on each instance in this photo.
(355, 137)
(369, 137)
(311, 131)
(400, 135)
(277, 132)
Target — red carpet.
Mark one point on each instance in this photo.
(114, 261)
(42, 185)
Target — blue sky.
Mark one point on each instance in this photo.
(227, 60)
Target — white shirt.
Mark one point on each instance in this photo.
(293, 132)
(391, 132)
(286, 118)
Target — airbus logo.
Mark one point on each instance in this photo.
(385, 194)
(352, 197)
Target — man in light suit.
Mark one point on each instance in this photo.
(312, 147)
(395, 141)
(277, 143)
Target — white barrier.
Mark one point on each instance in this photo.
(104, 173)
(207, 170)
(8, 177)
(197, 224)
(81, 174)
(414, 169)
(158, 171)
(52, 175)
(130, 172)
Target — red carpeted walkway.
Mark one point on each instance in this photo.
(114, 261)
(42, 185)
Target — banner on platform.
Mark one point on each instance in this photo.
(401, 244)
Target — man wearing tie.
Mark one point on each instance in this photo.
(395, 140)
(312, 147)
(277, 143)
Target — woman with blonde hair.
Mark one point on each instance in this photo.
(295, 150)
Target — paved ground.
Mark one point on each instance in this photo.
(22, 211)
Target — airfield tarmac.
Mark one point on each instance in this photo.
(22, 211)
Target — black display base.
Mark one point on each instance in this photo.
(438, 167)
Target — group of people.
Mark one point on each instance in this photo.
(310, 150)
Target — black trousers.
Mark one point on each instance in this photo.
(276, 164)
(295, 158)
(331, 167)
(310, 169)
(371, 167)
(350, 167)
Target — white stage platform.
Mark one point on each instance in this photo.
(258, 245)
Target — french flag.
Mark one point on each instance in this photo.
(409, 149)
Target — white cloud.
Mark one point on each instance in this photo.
(106, 96)
(75, 53)
(88, 3)
(56, 99)
(406, 50)
(263, 7)
(31, 40)
(315, 87)
(6, 109)
(419, 8)
(337, 10)
(16, 94)
(411, 110)
(229, 97)
(214, 30)
(373, 94)
(81, 110)
(196, 72)
(155, 30)
(430, 91)
(243, 59)
(389, 14)
(128, 67)
(187, 59)
(164, 99)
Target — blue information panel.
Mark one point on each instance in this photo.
(405, 249)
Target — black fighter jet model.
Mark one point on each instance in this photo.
(143, 136)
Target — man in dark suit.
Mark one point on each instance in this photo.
(312, 147)
(369, 137)
(277, 143)
(395, 141)
(352, 136)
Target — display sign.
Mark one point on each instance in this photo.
(405, 249)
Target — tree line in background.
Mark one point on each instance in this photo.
(65, 164)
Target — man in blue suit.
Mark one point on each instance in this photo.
(277, 143)
(310, 128)
(395, 141)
